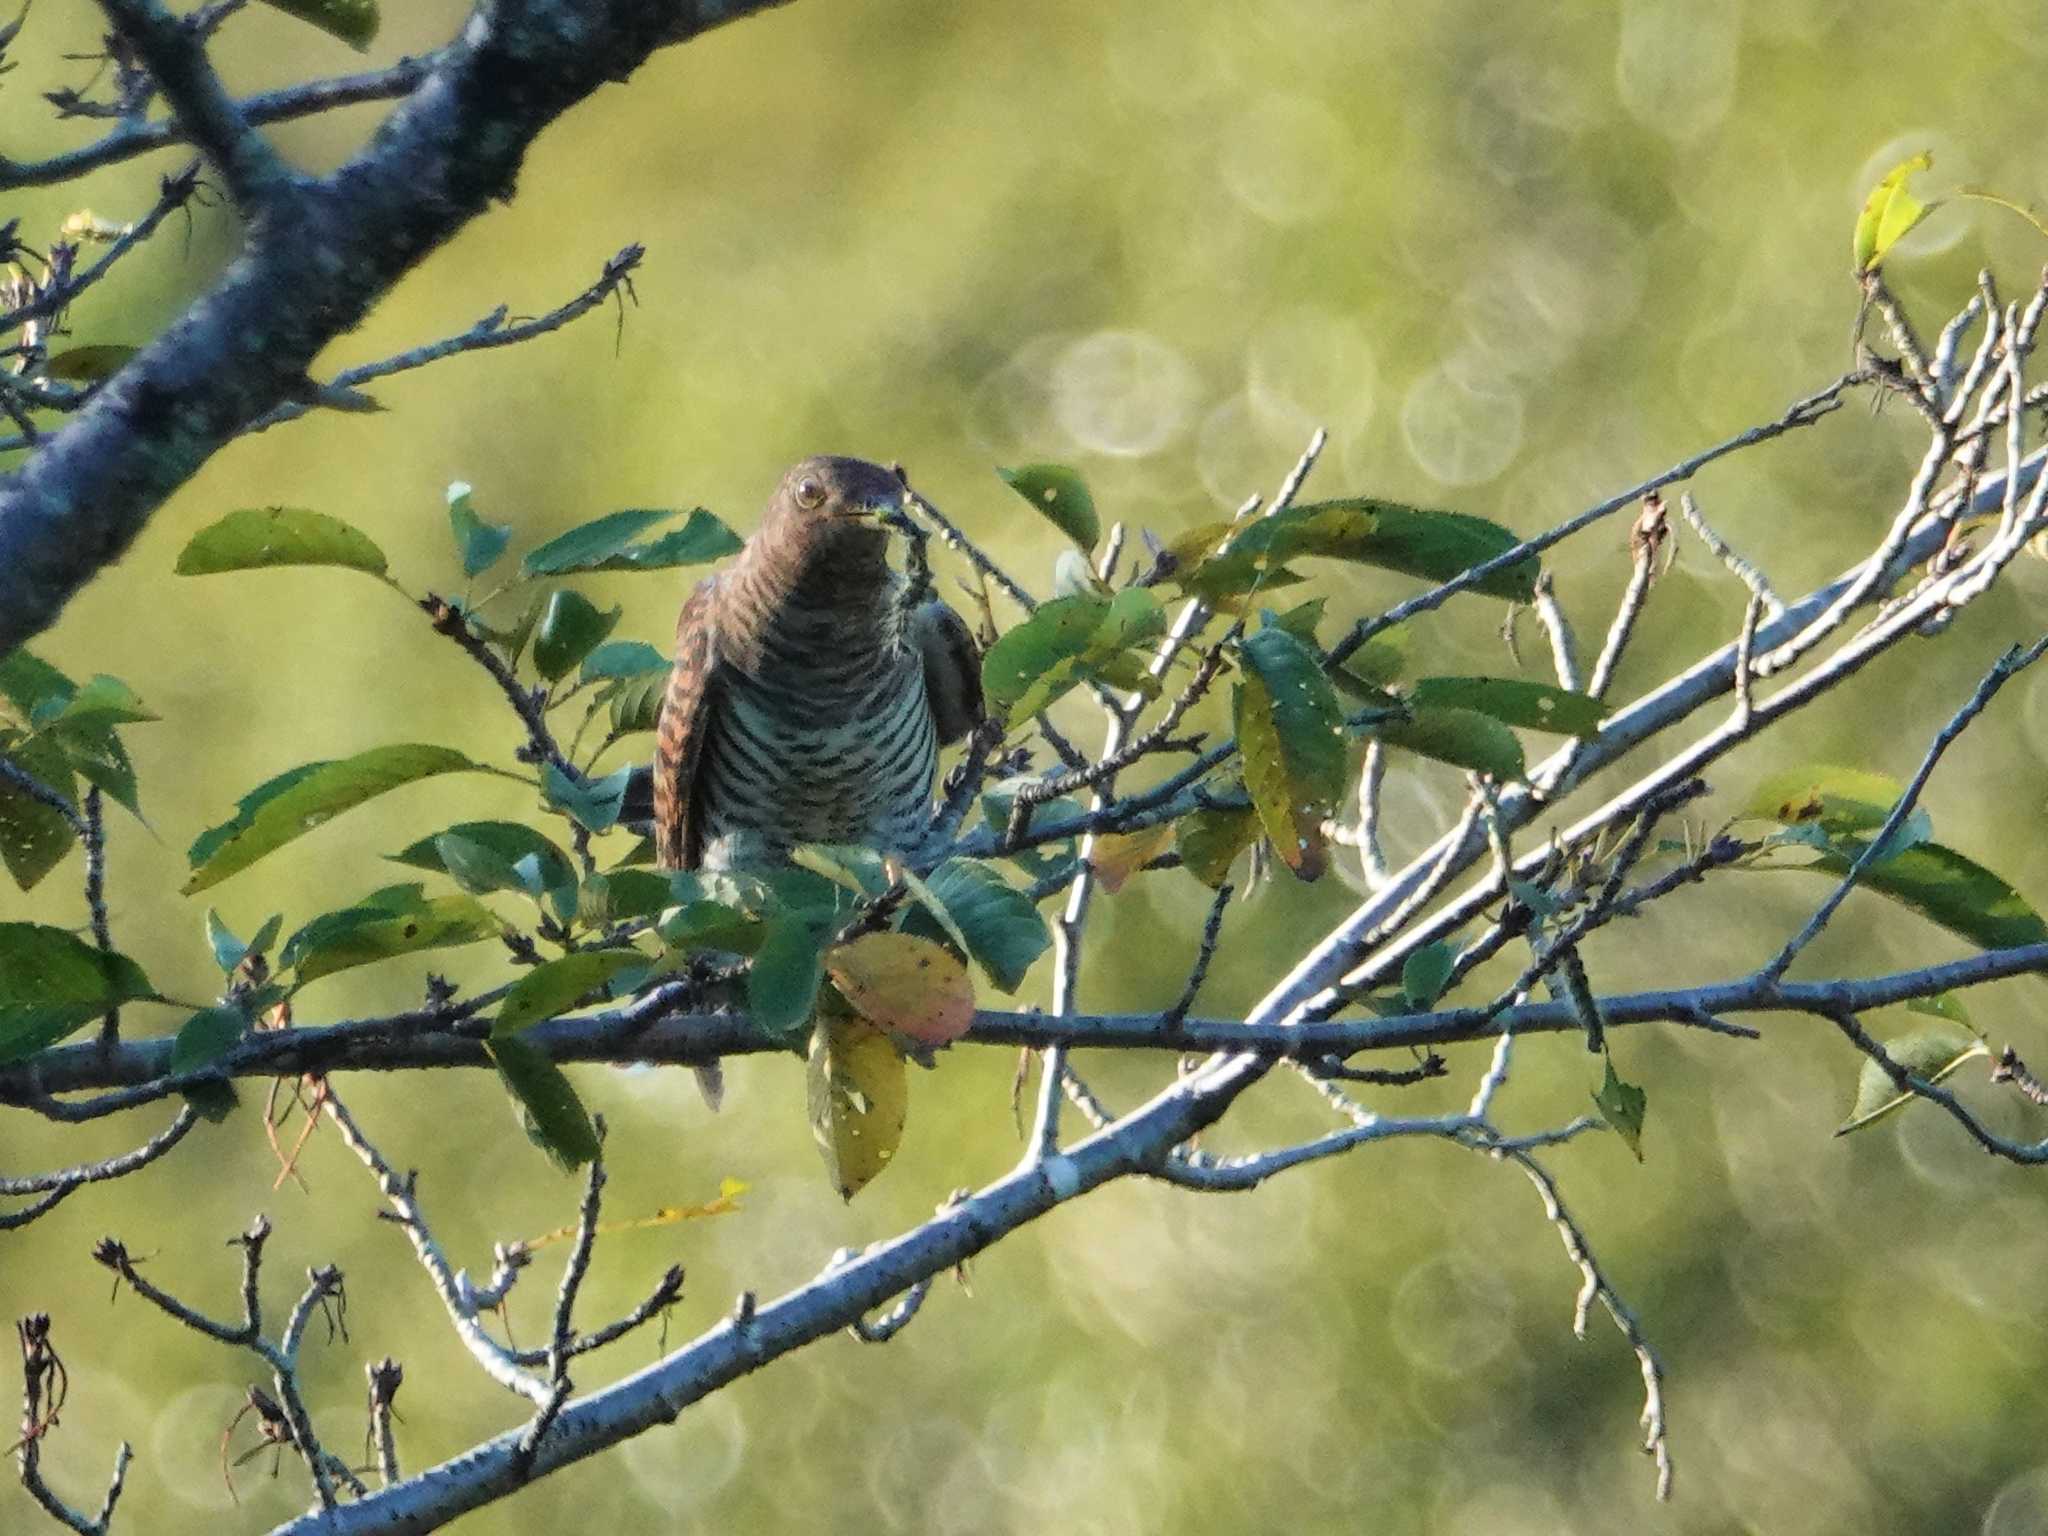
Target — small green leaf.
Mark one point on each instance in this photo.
(623, 658)
(782, 981)
(1002, 930)
(228, 951)
(1289, 731)
(398, 920)
(848, 865)
(555, 986)
(1038, 659)
(102, 702)
(90, 364)
(634, 703)
(1622, 1106)
(702, 539)
(696, 927)
(1456, 736)
(1058, 495)
(480, 544)
(1211, 840)
(1889, 213)
(1930, 1053)
(1946, 887)
(1425, 973)
(1379, 663)
(511, 843)
(569, 630)
(295, 802)
(624, 895)
(1302, 619)
(52, 982)
(101, 760)
(553, 1116)
(256, 537)
(595, 803)
(1943, 1005)
(1513, 701)
(479, 868)
(1434, 545)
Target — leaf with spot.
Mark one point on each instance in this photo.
(255, 538)
(859, 1095)
(398, 920)
(34, 837)
(909, 986)
(52, 983)
(549, 1110)
(556, 986)
(1512, 701)
(1289, 731)
(480, 544)
(1622, 1105)
(1436, 546)
(1827, 795)
(1211, 839)
(1001, 929)
(1059, 496)
(571, 628)
(1930, 1053)
(296, 802)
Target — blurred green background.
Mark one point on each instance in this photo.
(1514, 259)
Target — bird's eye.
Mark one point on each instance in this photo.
(810, 492)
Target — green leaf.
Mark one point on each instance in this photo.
(352, 21)
(595, 803)
(1943, 1005)
(570, 629)
(782, 982)
(588, 546)
(1038, 660)
(555, 986)
(102, 702)
(1930, 1053)
(255, 537)
(206, 1037)
(479, 868)
(295, 802)
(1456, 736)
(1058, 495)
(27, 682)
(228, 951)
(89, 364)
(624, 895)
(553, 1116)
(1434, 545)
(1002, 930)
(511, 842)
(1889, 213)
(398, 920)
(623, 658)
(634, 704)
(702, 539)
(34, 837)
(847, 865)
(1302, 619)
(1425, 973)
(1622, 1106)
(1211, 840)
(100, 759)
(1514, 702)
(480, 544)
(1377, 664)
(52, 982)
(699, 926)
(1289, 731)
(1946, 887)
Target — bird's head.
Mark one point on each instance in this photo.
(836, 502)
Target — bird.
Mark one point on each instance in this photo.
(812, 686)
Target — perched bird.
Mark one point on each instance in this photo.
(813, 685)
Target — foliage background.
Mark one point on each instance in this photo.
(1515, 260)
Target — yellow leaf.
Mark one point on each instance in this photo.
(907, 985)
(1889, 214)
(727, 1202)
(1117, 856)
(858, 1097)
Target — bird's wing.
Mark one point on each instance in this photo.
(685, 721)
(952, 668)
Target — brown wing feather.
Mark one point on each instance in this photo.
(952, 668)
(679, 739)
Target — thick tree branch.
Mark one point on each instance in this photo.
(445, 154)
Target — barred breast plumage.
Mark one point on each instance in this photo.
(809, 697)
